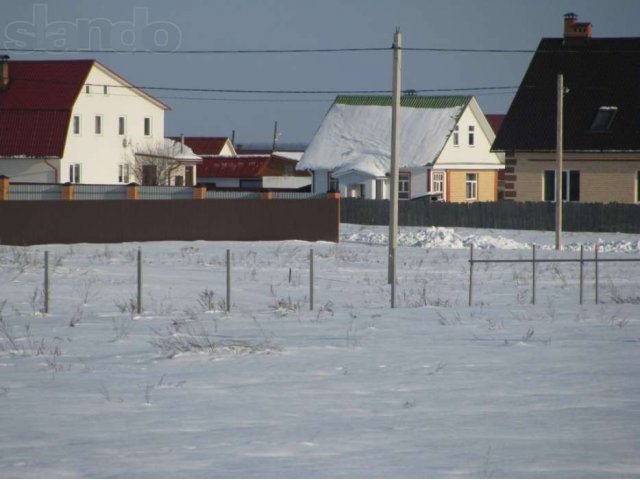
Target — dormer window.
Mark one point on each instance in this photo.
(603, 119)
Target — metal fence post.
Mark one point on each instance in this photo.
(581, 272)
(533, 262)
(311, 279)
(596, 274)
(470, 274)
(46, 282)
(228, 280)
(139, 303)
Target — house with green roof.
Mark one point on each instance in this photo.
(444, 141)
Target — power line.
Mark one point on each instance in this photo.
(269, 92)
(313, 50)
(198, 52)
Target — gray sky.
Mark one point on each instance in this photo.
(300, 24)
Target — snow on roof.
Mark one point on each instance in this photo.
(167, 148)
(358, 138)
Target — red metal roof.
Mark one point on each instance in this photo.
(495, 120)
(232, 167)
(204, 145)
(36, 106)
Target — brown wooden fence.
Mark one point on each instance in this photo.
(32, 222)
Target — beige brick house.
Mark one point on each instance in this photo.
(601, 120)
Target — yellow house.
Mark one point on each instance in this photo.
(445, 149)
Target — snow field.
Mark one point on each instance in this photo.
(352, 389)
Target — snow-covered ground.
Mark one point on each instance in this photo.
(433, 388)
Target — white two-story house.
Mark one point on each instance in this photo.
(445, 149)
(74, 121)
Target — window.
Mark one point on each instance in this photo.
(570, 185)
(76, 124)
(251, 183)
(379, 188)
(404, 185)
(456, 136)
(189, 174)
(437, 183)
(105, 90)
(149, 175)
(122, 124)
(356, 190)
(74, 173)
(334, 184)
(638, 186)
(87, 88)
(472, 135)
(123, 173)
(98, 124)
(472, 186)
(603, 119)
(147, 126)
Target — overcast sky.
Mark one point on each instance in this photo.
(299, 24)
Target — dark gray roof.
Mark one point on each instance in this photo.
(598, 72)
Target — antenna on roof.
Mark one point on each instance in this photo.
(276, 135)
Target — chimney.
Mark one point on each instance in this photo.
(575, 29)
(4, 72)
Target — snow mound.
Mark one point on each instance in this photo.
(435, 237)
(443, 237)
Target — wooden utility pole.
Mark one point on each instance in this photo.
(559, 185)
(395, 150)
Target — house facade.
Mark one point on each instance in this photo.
(207, 147)
(601, 154)
(251, 172)
(73, 121)
(445, 152)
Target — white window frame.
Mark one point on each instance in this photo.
(75, 173)
(144, 127)
(124, 173)
(566, 186)
(98, 125)
(404, 185)
(472, 136)
(456, 136)
(438, 181)
(76, 125)
(471, 186)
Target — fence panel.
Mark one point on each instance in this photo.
(100, 192)
(35, 191)
(296, 195)
(577, 217)
(165, 193)
(222, 195)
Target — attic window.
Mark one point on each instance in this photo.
(603, 119)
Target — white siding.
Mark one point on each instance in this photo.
(465, 156)
(101, 154)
